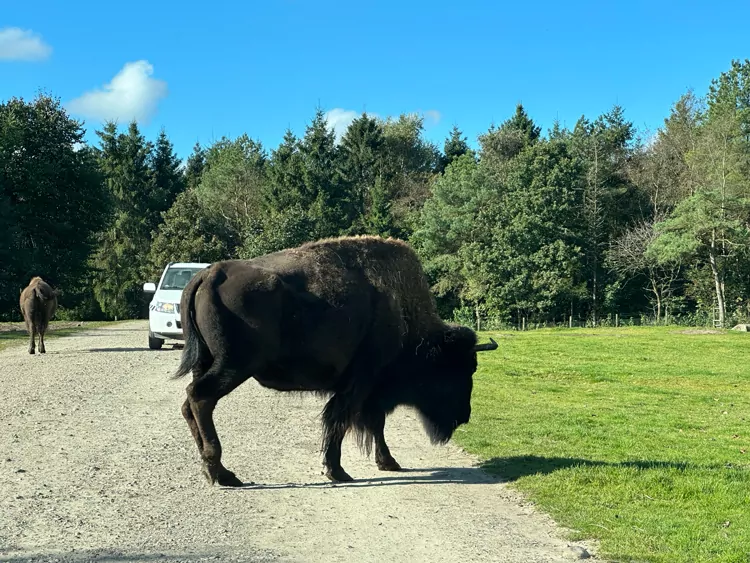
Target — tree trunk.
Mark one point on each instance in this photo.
(718, 282)
(593, 295)
(657, 295)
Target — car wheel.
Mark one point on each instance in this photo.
(155, 343)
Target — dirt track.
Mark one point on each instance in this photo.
(97, 464)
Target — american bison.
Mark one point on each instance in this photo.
(350, 318)
(38, 304)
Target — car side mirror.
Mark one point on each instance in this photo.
(149, 287)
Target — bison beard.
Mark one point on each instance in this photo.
(351, 318)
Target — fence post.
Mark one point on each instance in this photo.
(523, 325)
(617, 320)
(570, 321)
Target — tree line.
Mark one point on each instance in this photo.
(583, 222)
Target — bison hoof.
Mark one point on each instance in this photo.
(338, 474)
(229, 479)
(388, 465)
(221, 476)
(31, 351)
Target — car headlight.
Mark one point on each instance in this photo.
(161, 307)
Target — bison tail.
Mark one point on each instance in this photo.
(195, 347)
(36, 308)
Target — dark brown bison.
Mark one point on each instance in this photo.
(350, 318)
(38, 304)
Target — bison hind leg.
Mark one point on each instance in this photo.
(32, 338)
(42, 349)
(203, 394)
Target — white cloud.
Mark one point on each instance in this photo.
(432, 117)
(339, 119)
(132, 94)
(18, 44)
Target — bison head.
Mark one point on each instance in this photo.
(444, 381)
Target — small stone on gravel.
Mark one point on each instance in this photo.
(578, 552)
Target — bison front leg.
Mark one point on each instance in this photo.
(335, 425)
(383, 457)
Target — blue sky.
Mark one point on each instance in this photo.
(207, 69)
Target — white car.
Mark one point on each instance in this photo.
(164, 309)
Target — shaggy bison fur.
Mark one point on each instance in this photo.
(351, 318)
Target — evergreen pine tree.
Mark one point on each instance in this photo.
(513, 136)
(166, 179)
(362, 166)
(195, 166)
(454, 147)
(124, 245)
(286, 175)
(378, 220)
(324, 194)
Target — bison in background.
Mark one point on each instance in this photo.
(38, 305)
(351, 318)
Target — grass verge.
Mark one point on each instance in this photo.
(637, 437)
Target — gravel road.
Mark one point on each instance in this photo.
(97, 464)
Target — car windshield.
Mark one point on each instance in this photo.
(178, 278)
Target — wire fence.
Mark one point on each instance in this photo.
(489, 322)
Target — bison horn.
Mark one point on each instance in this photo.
(482, 347)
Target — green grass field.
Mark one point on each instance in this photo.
(638, 437)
